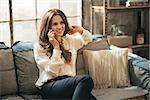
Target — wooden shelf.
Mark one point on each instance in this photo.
(141, 50)
(123, 7)
(120, 7)
(104, 10)
(140, 46)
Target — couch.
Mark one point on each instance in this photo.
(18, 74)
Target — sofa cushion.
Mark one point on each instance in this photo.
(108, 68)
(32, 97)
(95, 45)
(139, 70)
(11, 97)
(3, 46)
(8, 84)
(125, 93)
(27, 70)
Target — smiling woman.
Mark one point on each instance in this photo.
(26, 15)
(55, 53)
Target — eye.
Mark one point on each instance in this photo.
(62, 22)
(54, 23)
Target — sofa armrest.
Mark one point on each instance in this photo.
(139, 71)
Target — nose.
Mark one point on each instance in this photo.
(59, 26)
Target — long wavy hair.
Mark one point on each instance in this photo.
(46, 23)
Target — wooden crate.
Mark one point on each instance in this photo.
(120, 41)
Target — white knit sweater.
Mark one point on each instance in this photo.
(56, 65)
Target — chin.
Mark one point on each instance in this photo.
(60, 34)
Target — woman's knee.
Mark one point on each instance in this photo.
(88, 81)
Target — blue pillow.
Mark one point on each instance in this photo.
(139, 70)
(3, 46)
(22, 46)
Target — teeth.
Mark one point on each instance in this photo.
(58, 31)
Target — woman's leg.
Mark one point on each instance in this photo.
(92, 97)
(76, 88)
(83, 89)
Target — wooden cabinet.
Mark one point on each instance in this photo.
(142, 15)
(117, 6)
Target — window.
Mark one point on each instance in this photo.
(22, 25)
(4, 21)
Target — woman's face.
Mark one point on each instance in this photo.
(58, 25)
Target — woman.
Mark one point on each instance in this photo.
(55, 53)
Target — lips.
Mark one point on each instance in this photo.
(59, 32)
(58, 29)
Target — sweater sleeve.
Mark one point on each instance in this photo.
(77, 40)
(87, 37)
(49, 65)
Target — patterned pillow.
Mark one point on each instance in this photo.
(108, 68)
(95, 45)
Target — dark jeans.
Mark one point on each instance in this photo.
(68, 88)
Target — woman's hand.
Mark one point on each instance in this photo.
(75, 28)
(52, 39)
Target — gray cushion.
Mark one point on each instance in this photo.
(27, 70)
(139, 70)
(8, 84)
(3, 46)
(32, 97)
(127, 93)
(95, 45)
(11, 97)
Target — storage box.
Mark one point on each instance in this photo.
(121, 41)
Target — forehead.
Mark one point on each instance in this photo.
(56, 18)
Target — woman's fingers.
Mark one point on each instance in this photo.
(52, 40)
(51, 35)
(75, 28)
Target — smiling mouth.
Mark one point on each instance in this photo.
(59, 30)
